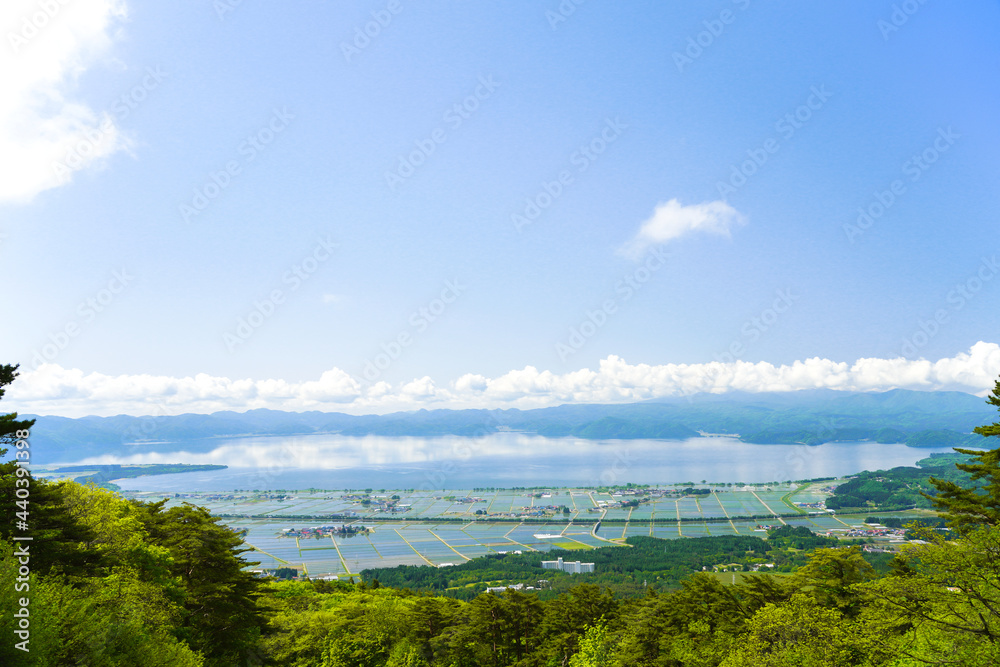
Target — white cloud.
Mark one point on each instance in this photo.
(52, 389)
(47, 46)
(471, 383)
(673, 220)
(420, 390)
(334, 386)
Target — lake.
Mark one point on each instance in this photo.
(501, 460)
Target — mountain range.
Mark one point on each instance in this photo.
(914, 418)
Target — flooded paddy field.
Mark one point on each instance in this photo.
(448, 527)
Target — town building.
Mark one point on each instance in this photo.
(573, 568)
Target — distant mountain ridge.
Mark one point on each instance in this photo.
(809, 417)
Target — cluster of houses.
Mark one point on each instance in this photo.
(525, 512)
(626, 499)
(280, 497)
(819, 505)
(614, 504)
(871, 531)
(343, 530)
(873, 549)
(542, 583)
(756, 567)
(211, 496)
(378, 503)
(637, 491)
(740, 567)
(633, 497)
(535, 511)
(390, 508)
(289, 573)
(540, 510)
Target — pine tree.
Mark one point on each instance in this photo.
(58, 538)
(218, 595)
(9, 423)
(970, 507)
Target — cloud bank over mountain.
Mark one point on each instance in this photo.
(52, 389)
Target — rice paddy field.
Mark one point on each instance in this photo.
(442, 528)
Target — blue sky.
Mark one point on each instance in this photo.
(697, 170)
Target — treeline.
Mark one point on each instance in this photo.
(901, 522)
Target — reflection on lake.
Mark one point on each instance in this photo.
(503, 459)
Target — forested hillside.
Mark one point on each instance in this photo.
(900, 488)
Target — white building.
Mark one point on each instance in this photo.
(572, 568)
(501, 589)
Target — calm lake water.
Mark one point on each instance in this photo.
(504, 459)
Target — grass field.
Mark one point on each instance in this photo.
(571, 546)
